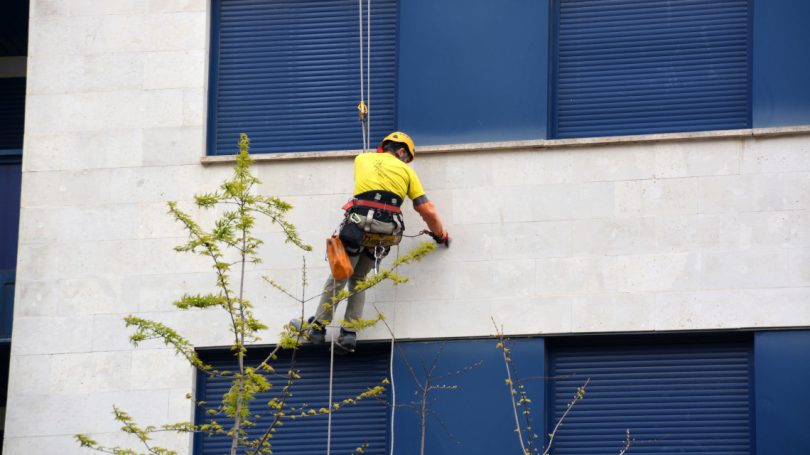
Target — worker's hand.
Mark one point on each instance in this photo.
(443, 239)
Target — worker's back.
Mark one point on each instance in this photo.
(383, 171)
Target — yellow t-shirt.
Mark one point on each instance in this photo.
(383, 171)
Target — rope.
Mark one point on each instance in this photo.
(365, 77)
(331, 378)
(391, 369)
(421, 233)
(390, 364)
(362, 106)
(368, 73)
(331, 375)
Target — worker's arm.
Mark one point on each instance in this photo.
(427, 211)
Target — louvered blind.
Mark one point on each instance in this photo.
(352, 426)
(10, 182)
(12, 113)
(288, 74)
(676, 398)
(651, 66)
(7, 301)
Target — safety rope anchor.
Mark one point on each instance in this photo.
(362, 111)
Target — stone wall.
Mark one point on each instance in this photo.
(676, 235)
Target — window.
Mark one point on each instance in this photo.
(287, 73)
(12, 116)
(6, 308)
(365, 422)
(678, 396)
(651, 67)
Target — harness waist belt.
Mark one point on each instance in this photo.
(371, 204)
(371, 240)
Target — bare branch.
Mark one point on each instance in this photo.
(510, 383)
(628, 442)
(580, 394)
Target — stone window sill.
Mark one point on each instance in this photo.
(530, 145)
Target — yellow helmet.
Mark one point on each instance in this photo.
(402, 138)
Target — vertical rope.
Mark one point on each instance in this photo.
(331, 373)
(391, 366)
(362, 83)
(393, 389)
(360, 15)
(368, 73)
(331, 377)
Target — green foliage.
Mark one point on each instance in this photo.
(129, 426)
(238, 400)
(416, 254)
(200, 301)
(85, 441)
(362, 324)
(151, 330)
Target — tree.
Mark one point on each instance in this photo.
(231, 246)
(426, 387)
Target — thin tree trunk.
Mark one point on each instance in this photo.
(240, 355)
(424, 415)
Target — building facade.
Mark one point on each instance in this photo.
(627, 185)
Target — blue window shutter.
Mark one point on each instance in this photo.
(690, 398)
(10, 186)
(681, 398)
(287, 73)
(7, 301)
(637, 67)
(352, 426)
(12, 113)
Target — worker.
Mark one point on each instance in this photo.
(382, 181)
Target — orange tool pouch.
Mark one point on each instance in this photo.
(338, 259)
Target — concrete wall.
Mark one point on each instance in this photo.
(676, 235)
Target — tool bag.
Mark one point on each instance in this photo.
(351, 234)
(339, 261)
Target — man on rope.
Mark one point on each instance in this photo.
(373, 223)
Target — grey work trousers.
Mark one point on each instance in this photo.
(362, 264)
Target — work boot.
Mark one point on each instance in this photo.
(347, 340)
(317, 331)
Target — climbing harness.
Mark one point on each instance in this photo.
(373, 220)
(356, 202)
(374, 240)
